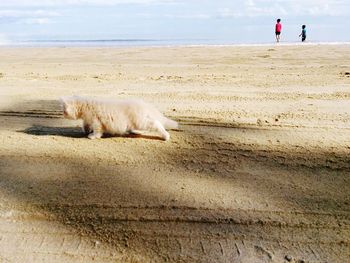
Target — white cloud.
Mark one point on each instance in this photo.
(188, 16)
(215, 8)
(261, 8)
(13, 13)
(29, 17)
(37, 21)
(48, 3)
(298, 7)
(46, 11)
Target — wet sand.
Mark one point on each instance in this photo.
(259, 170)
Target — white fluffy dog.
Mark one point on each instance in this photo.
(116, 117)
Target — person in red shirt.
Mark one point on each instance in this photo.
(278, 30)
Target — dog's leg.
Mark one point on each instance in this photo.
(96, 130)
(86, 128)
(135, 132)
(157, 126)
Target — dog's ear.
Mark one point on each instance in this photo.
(62, 100)
(63, 103)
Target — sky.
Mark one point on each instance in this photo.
(225, 21)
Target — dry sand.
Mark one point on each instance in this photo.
(257, 172)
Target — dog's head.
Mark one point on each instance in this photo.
(70, 107)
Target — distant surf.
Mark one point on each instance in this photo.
(149, 42)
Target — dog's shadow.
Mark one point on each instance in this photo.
(40, 130)
(76, 132)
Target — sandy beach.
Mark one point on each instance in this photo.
(259, 170)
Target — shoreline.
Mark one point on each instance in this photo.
(116, 44)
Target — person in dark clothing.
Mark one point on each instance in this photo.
(303, 33)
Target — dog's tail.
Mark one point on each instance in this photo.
(170, 124)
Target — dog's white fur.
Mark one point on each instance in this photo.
(116, 117)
